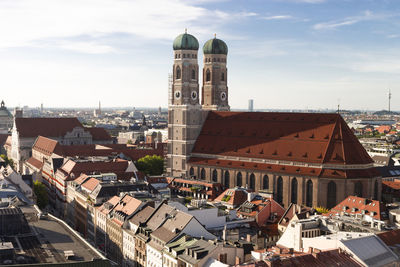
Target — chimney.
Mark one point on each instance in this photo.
(237, 260)
(310, 250)
(222, 257)
(248, 238)
(224, 233)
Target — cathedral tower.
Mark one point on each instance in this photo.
(184, 110)
(215, 89)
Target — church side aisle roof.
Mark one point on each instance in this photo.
(319, 138)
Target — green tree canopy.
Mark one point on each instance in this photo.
(41, 194)
(151, 165)
(7, 160)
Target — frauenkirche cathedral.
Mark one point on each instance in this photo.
(312, 159)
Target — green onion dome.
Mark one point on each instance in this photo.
(186, 41)
(215, 46)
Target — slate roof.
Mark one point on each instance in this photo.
(142, 215)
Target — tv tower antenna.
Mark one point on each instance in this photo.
(390, 97)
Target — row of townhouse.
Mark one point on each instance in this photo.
(57, 164)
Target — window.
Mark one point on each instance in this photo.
(279, 189)
(226, 179)
(376, 190)
(239, 179)
(294, 191)
(191, 171)
(222, 76)
(193, 75)
(331, 197)
(178, 73)
(358, 188)
(265, 182)
(203, 174)
(309, 194)
(208, 75)
(215, 176)
(252, 182)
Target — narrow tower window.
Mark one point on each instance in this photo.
(222, 76)
(193, 75)
(178, 73)
(208, 75)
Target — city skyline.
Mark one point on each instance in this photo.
(284, 54)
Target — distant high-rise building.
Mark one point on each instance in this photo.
(159, 111)
(251, 105)
(18, 112)
(41, 108)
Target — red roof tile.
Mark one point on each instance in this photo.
(49, 127)
(355, 205)
(91, 184)
(35, 163)
(390, 238)
(99, 134)
(45, 145)
(392, 184)
(317, 137)
(236, 196)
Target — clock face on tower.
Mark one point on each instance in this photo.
(194, 95)
(177, 94)
(223, 96)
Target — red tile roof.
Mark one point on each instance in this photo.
(81, 179)
(390, 238)
(45, 145)
(49, 127)
(35, 163)
(355, 205)
(236, 196)
(91, 184)
(392, 184)
(99, 134)
(128, 205)
(316, 137)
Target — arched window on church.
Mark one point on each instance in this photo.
(331, 198)
(239, 179)
(193, 75)
(252, 182)
(294, 191)
(203, 174)
(222, 76)
(208, 75)
(279, 189)
(215, 176)
(191, 171)
(265, 182)
(178, 73)
(358, 188)
(226, 179)
(376, 190)
(309, 193)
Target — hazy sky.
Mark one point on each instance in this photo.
(289, 54)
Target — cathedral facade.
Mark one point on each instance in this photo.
(312, 159)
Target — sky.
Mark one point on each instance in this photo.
(284, 54)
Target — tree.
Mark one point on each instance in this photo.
(7, 160)
(41, 194)
(151, 165)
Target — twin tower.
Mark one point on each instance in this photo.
(185, 113)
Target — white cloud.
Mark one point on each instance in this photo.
(26, 22)
(278, 17)
(366, 16)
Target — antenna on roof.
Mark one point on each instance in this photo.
(338, 106)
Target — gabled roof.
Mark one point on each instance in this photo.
(358, 205)
(35, 163)
(300, 137)
(390, 238)
(91, 184)
(45, 145)
(142, 215)
(295, 210)
(99, 134)
(49, 127)
(233, 196)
